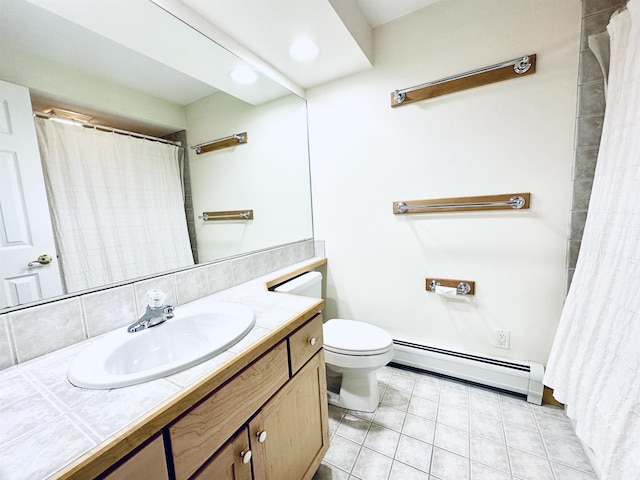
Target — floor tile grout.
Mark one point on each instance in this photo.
(399, 388)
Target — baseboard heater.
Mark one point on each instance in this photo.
(524, 378)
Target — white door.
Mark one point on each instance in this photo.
(25, 225)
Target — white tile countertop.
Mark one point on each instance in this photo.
(48, 423)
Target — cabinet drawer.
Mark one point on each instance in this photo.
(205, 428)
(305, 342)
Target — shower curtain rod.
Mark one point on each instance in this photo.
(103, 127)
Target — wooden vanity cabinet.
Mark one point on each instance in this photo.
(289, 436)
(148, 463)
(206, 427)
(285, 440)
(273, 407)
(277, 406)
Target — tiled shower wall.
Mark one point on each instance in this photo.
(181, 137)
(589, 119)
(31, 332)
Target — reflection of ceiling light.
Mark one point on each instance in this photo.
(59, 112)
(244, 74)
(304, 49)
(66, 121)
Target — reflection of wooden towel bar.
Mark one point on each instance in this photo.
(227, 215)
(509, 201)
(225, 142)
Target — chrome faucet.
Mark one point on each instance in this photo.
(155, 314)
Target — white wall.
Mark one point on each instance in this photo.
(112, 104)
(513, 136)
(269, 174)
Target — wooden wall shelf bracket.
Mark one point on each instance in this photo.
(226, 142)
(507, 201)
(518, 67)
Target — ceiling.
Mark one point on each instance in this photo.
(33, 30)
(379, 12)
(343, 29)
(259, 31)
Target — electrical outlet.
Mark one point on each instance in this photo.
(503, 338)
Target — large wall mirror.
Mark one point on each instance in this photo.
(137, 67)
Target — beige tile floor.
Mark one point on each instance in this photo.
(432, 428)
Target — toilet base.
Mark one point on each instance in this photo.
(357, 391)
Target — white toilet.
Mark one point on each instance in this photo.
(353, 351)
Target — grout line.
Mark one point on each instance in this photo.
(502, 403)
(435, 427)
(12, 343)
(544, 446)
(469, 429)
(504, 436)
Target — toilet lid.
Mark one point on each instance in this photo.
(355, 338)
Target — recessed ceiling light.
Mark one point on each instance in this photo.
(304, 49)
(244, 74)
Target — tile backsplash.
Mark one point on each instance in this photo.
(31, 332)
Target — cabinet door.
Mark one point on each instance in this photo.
(149, 463)
(205, 428)
(290, 435)
(232, 462)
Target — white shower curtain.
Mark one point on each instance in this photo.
(116, 204)
(594, 366)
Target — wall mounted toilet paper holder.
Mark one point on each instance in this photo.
(463, 287)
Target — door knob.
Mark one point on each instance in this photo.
(43, 259)
(262, 436)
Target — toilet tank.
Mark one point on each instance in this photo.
(308, 284)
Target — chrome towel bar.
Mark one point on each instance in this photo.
(520, 65)
(514, 201)
(228, 215)
(225, 142)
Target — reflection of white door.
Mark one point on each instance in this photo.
(25, 224)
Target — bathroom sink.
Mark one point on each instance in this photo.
(195, 334)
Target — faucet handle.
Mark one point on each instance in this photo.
(155, 298)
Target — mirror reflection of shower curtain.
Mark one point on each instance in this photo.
(594, 364)
(116, 204)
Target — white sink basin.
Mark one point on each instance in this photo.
(194, 335)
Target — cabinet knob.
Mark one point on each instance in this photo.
(312, 341)
(246, 456)
(262, 436)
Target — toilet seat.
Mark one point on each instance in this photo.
(350, 337)
(357, 353)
